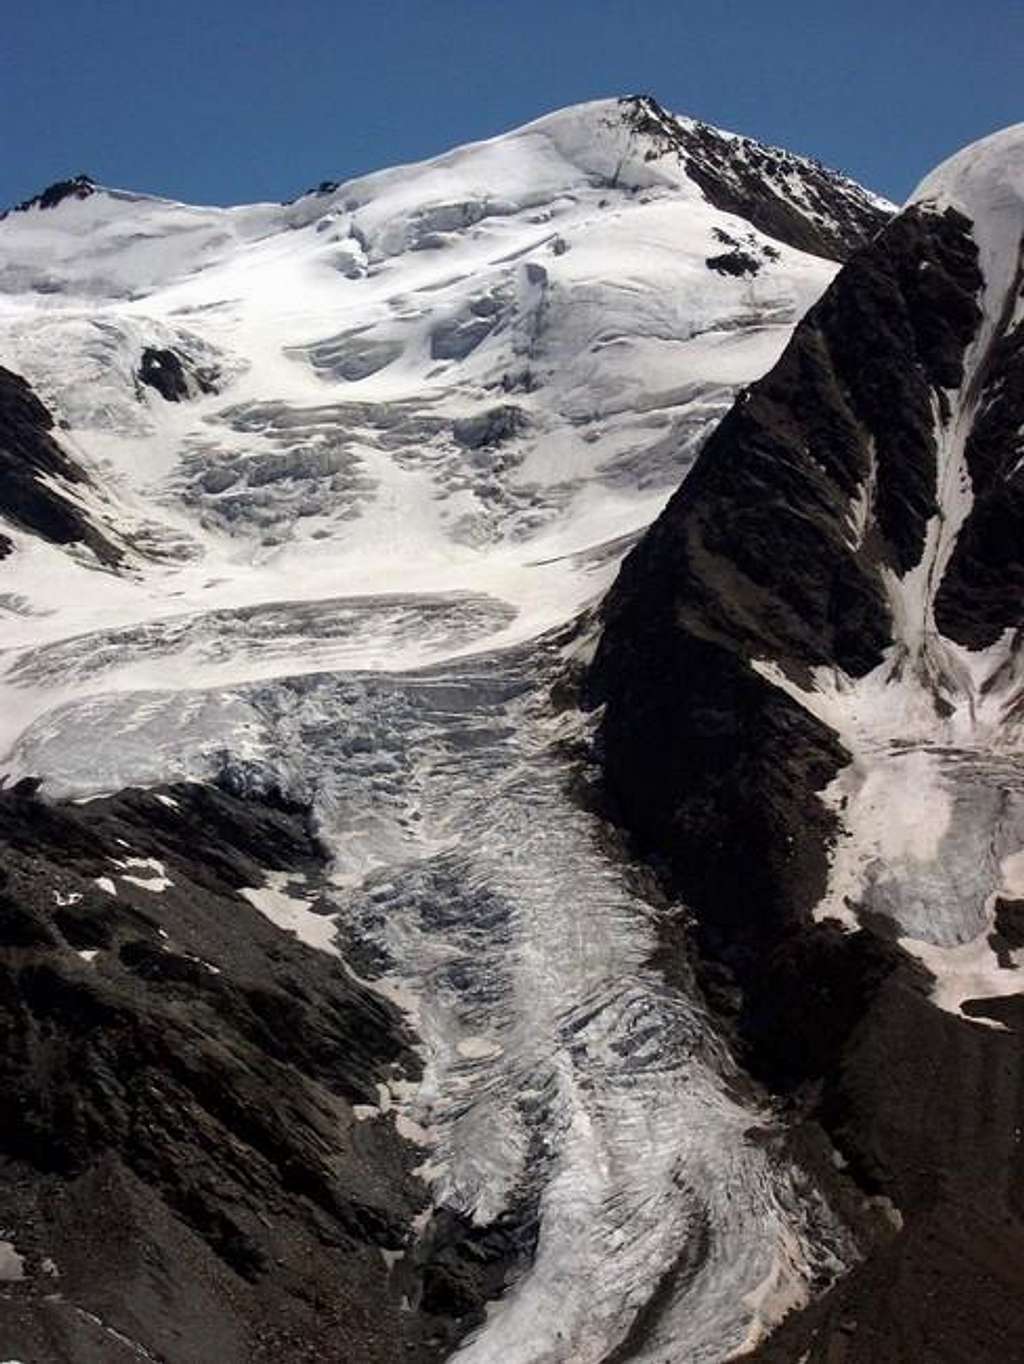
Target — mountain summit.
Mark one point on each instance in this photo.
(482, 372)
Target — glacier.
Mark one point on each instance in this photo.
(422, 417)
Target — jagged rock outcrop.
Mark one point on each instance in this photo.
(76, 187)
(38, 477)
(173, 376)
(982, 590)
(794, 200)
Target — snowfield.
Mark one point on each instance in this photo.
(423, 385)
(427, 412)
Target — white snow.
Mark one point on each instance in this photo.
(12, 1265)
(292, 912)
(156, 880)
(619, 354)
(968, 971)
(972, 970)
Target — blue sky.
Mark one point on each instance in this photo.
(227, 101)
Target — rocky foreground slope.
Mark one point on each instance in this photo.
(809, 669)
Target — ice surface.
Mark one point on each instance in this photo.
(560, 1070)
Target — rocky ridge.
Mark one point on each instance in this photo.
(808, 675)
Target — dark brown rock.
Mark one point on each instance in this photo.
(178, 1141)
(743, 177)
(77, 187)
(173, 376)
(29, 452)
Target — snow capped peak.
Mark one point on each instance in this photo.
(882, 461)
(77, 187)
(107, 242)
(984, 175)
(354, 464)
(626, 146)
(985, 183)
(502, 360)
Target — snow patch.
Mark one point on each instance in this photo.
(291, 911)
(970, 970)
(157, 879)
(478, 1048)
(12, 1265)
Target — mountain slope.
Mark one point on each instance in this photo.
(363, 458)
(809, 672)
(473, 369)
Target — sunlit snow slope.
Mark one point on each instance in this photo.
(472, 375)
(395, 434)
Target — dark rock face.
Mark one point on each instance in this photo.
(983, 587)
(833, 218)
(324, 187)
(183, 1172)
(756, 557)
(28, 452)
(821, 480)
(928, 1110)
(173, 376)
(78, 187)
(737, 263)
(463, 1265)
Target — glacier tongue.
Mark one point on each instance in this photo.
(565, 1082)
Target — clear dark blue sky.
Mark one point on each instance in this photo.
(227, 101)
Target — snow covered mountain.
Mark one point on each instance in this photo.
(814, 657)
(333, 1000)
(481, 372)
